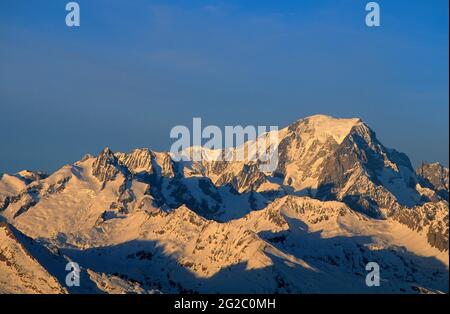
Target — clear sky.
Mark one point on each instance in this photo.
(134, 69)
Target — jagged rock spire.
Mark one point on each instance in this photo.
(105, 167)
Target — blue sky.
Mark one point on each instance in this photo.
(134, 69)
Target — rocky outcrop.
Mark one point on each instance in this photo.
(435, 177)
(106, 166)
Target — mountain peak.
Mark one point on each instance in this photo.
(106, 151)
(323, 118)
(105, 167)
(337, 198)
(29, 176)
(322, 127)
(139, 160)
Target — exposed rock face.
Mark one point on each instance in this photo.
(431, 219)
(320, 156)
(20, 272)
(363, 173)
(30, 176)
(139, 160)
(106, 166)
(329, 159)
(143, 222)
(435, 177)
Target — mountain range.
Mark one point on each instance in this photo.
(141, 222)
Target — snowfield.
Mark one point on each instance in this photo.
(141, 222)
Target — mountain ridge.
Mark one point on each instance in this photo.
(335, 185)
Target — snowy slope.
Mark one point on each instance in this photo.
(19, 271)
(142, 222)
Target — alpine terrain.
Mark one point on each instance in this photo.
(141, 222)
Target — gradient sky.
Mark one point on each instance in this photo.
(134, 69)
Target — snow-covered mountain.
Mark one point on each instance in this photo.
(141, 222)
